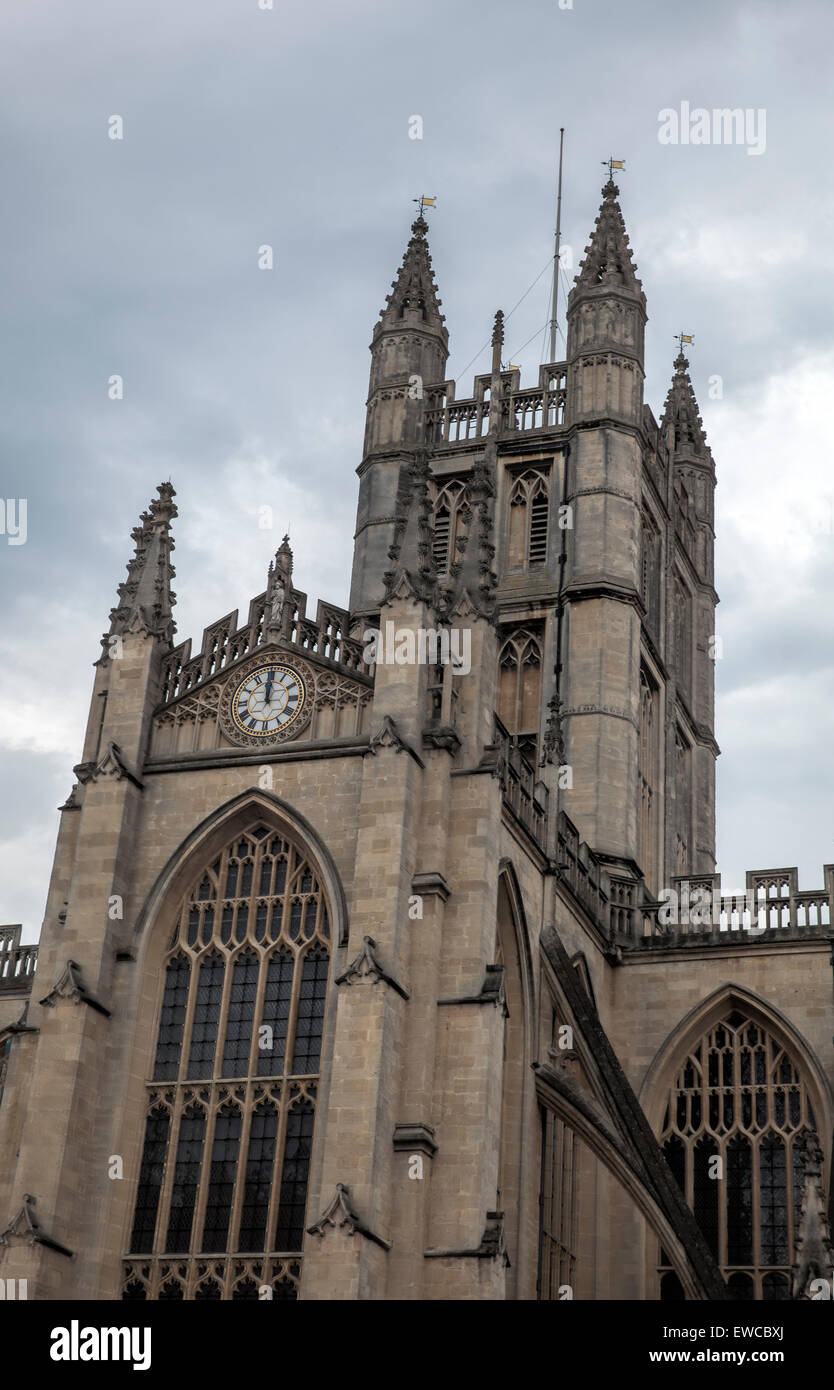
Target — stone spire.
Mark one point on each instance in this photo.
(608, 261)
(681, 424)
(409, 351)
(145, 598)
(606, 324)
(413, 301)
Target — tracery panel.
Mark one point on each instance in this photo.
(222, 1184)
(734, 1132)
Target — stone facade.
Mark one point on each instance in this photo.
(444, 885)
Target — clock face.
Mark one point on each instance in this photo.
(268, 701)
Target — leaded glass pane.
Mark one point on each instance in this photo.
(186, 1179)
(224, 1155)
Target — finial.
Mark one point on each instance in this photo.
(610, 189)
(681, 362)
(283, 557)
(497, 340)
(420, 226)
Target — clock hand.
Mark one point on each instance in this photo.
(269, 686)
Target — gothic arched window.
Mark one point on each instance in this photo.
(450, 515)
(528, 521)
(734, 1132)
(231, 1100)
(519, 689)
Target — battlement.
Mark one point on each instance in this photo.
(225, 643)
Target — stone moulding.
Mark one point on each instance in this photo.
(26, 1228)
(13, 1030)
(112, 764)
(71, 986)
(340, 1215)
(492, 990)
(388, 736)
(431, 884)
(492, 1244)
(367, 967)
(415, 1138)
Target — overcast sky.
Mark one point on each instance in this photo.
(290, 127)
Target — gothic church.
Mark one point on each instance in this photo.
(354, 980)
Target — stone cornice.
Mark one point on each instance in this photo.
(349, 747)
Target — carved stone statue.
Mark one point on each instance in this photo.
(279, 597)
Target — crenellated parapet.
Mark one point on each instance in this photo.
(224, 643)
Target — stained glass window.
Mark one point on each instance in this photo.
(734, 1135)
(222, 1176)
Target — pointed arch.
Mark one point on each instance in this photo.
(207, 838)
(516, 1179)
(234, 1020)
(528, 520)
(519, 688)
(709, 1011)
(449, 519)
(737, 1093)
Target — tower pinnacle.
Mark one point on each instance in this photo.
(681, 423)
(608, 260)
(413, 299)
(145, 598)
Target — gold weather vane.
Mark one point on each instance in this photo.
(681, 338)
(612, 164)
(425, 202)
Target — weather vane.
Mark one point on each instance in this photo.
(424, 202)
(681, 338)
(612, 164)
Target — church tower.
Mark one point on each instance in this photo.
(606, 320)
(352, 982)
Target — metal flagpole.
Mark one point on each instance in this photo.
(556, 251)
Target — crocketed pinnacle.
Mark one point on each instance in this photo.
(608, 260)
(146, 600)
(681, 414)
(414, 290)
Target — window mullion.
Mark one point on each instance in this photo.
(163, 1215)
(248, 1109)
(722, 1204)
(198, 1220)
(756, 1210)
(279, 1094)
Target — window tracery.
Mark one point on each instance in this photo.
(528, 521)
(225, 1160)
(733, 1133)
(519, 689)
